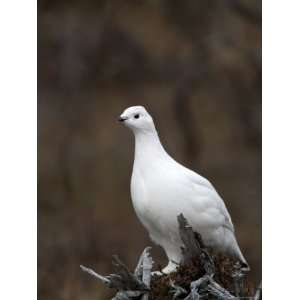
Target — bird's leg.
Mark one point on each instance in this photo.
(157, 273)
(171, 267)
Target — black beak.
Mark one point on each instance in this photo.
(122, 119)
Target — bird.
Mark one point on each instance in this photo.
(161, 189)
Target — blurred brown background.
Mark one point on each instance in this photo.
(196, 66)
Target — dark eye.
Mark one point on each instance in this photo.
(136, 116)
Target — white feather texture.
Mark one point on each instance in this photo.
(161, 189)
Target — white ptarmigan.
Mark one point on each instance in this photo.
(161, 189)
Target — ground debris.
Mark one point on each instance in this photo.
(202, 274)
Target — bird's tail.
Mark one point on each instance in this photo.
(237, 253)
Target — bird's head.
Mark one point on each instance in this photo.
(137, 119)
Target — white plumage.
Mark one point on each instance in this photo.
(161, 189)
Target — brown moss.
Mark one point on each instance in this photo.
(185, 274)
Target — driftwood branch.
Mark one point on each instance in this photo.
(238, 278)
(207, 285)
(193, 246)
(177, 290)
(138, 285)
(103, 279)
(129, 285)
(258, 294)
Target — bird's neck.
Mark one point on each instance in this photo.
(148, 148)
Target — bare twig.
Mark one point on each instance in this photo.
(177, 290)
(238, 276)
(138, 272)
(124, 278)
(147, 264)
(258, 293)
(207, 285)
(215, 289)
(93, 273)
(129, 285)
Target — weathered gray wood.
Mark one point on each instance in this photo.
(103, 279)
(258, 293)
(238, 279)
(137, 285)
(207, 285)
(147, 264)
(127, 295)
(200, 283)
(218, 291)
(177, 290)
(124, 278)
(138, 272)
(193, 246)
(129, 285)
(193, 295)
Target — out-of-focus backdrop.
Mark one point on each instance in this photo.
(196, 66)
